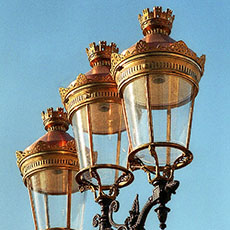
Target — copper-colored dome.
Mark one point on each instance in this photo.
(56, 123)
(154, 40)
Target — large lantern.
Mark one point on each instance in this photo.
(158, 79)
(95, 111)
(48, 167)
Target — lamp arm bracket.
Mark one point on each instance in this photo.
(136, 219)
(161, 195)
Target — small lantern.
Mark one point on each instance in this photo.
(158, 79)
(48, 167)
(95, 111)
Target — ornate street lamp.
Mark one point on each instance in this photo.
(144, 95)
(158, 79)
(48, 167)
(95, 111)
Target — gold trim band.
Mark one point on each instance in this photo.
(53, 159)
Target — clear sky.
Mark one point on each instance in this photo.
(42, 48)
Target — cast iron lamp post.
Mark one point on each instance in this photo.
(146, 95)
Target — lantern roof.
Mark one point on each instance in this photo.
(97, 80)
(55, 141)
(156, 26)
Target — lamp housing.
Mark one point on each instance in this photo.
(158, 79)
(48, 168)
(95, 111)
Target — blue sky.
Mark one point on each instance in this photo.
(42, 48)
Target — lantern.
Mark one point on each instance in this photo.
(95, 111)
(158, 79)
(48, 167)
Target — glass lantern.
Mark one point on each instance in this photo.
(158, 79)
(95, 111)
(48, 167)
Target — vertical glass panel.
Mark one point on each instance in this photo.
(56, 210)
(101, 125)
(180, 123)
(170, 103)
(78, 210)
(136, 110)
(40, 210)
(80, 129)
(109, 138)
(49, 191)
(171, 98)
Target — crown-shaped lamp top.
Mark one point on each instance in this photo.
(156, 21)
(55, 119)
(101, 54)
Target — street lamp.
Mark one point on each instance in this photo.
(131, 111)
(95, 111)
(48, 167)
(157, 81)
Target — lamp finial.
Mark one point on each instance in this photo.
(156, 21)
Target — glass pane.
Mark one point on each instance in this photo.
(166, 156)
(78, 210)
(170, 102)
(171, 99)
(80, 129)
(135, 105)
(169, 91)
(180, 123)
(103, 123)
(109, 138)
(52, 182)
(49, 191)
(41, 210)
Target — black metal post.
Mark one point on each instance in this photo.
(103, 220)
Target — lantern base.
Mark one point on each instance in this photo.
(137, 161)
(93, 178)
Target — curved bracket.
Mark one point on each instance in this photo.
(136, 220)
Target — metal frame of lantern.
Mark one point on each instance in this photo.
(46, 156)
(143, 60)
(152, 59)
(85, 91)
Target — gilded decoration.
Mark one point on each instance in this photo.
(83, 80)
(142, 47)
(54, 149)
(102, 50)
(156, 19)
(42, 146)
(55, 120)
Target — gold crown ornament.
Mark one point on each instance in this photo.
(156, 20)
(55, 119)
(101, 52)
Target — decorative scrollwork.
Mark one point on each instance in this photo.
(81, 80)
(20, 155)
(114, 207)
(183, 159)
(162, 192)
(96, 220)
(142, 46)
